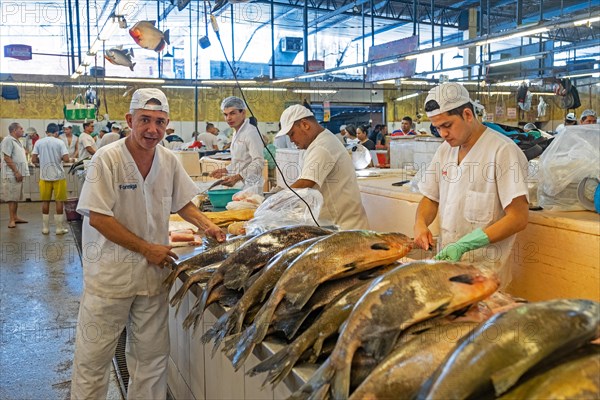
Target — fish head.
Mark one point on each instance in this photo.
(468, 283)
(136, 34)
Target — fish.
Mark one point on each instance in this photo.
(408, 294)
(342, 254)
(523, 337)
(412, 362)
(145, 34)
(118, 56)
(577, 378)
(231, 322)
(207, 257)
(280, 364)
(196, 276)
(254, 254)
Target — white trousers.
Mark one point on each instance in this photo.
(100, 323)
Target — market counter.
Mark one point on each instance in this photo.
(556, 256)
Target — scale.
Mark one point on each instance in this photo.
(588, 193)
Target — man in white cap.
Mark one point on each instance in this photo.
(588, 117)
(87, 144)
(570, 119)
(131, 188)
(70, 140)
(475, 183)
(326, 167)
(247, 160)
(112, 136)
(50, 152)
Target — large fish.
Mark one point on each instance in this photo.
(147, 36)
(118, 56)
(339, 255)
(196, 276)
(406, 295)
(578, 378)
(232, 321)
(327, 324)
(207, 257)
(522, 337)
(410, 364)
(254, 254)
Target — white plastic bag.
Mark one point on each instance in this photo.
(572, 156)
(285, 208)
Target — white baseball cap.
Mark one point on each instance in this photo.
(141, 97)
(115, 126)
(291, 115)
(588, 113)
(342, 127)
(571, 117)
(449, 96)
(67, 125)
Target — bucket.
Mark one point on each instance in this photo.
(71, 209)
(382, 157)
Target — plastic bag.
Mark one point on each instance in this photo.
(572, 156)
(245, 199)
(285, 208)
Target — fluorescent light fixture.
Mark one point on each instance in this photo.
(284, 80)
(591, 74)
(27, 84)
(432, 53)
(109, 29)
(408, 82)
(382, 63)
(513, 61)
(315, 91)
(103, 86)
(265, 89)
(230, 82)
(138, 80)
(513, 36)
(586, 21)
(470, 83)
(388, 81)
(95, 47)
(184, 87)
(496, 93)
(314, 75)
(513, 83)
(408, 96)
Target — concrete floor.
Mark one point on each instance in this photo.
(40, 286)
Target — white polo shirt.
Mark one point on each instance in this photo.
(208, 140)
(14, 149)
(115, 187)
(50, 151)
(327, 163)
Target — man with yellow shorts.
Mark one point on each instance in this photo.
(50, 152)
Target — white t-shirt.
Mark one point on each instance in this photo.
(85, 140)
(208, 140)
(72, 147)
(327, 163)
(115, 187)
(14, 149)
(475, 193)
(222, 140)
(50, 151)
(108, 138)
(247, 155)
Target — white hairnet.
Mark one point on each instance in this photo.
(588, 113)
(529, 125)
(233, 101)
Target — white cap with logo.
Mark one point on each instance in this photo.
(449, 96)
(141, 97)
(571, 117)
(291, 115)
(67, 125)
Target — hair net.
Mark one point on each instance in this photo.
(233, 101)
(588, 113)
(530, 125)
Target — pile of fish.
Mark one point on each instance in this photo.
(380, 329)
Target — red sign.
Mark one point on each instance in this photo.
(18, 51)
(315, 65)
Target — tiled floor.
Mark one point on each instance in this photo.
(40, 285)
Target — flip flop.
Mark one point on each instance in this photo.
(22, 222)
(12, 226)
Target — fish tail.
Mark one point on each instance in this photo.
(166, 35)
(278, 365)
(290, 324)
(192, 318)
(316, 387)
(178, 296)
(170, 280)
(340, 385)
(253, 335)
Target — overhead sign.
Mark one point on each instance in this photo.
(391, 69)
(18, 51)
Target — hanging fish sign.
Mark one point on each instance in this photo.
(18, 51)
(147, 36)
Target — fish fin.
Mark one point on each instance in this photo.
(131, 52)
(340, 383)
(440, 309)
(166, 35)
(120, 47)
(153, 22)
(505, 378)
(319, 381)
(380, 246)
(464, 278)
(462, 312)
(131, 67)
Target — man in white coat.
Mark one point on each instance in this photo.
(131, 188)
(247, 160)
(327, 167)
(475, 182)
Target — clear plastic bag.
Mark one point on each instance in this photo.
(572, 156)
(285, 208)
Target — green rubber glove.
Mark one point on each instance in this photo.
(471, 241)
